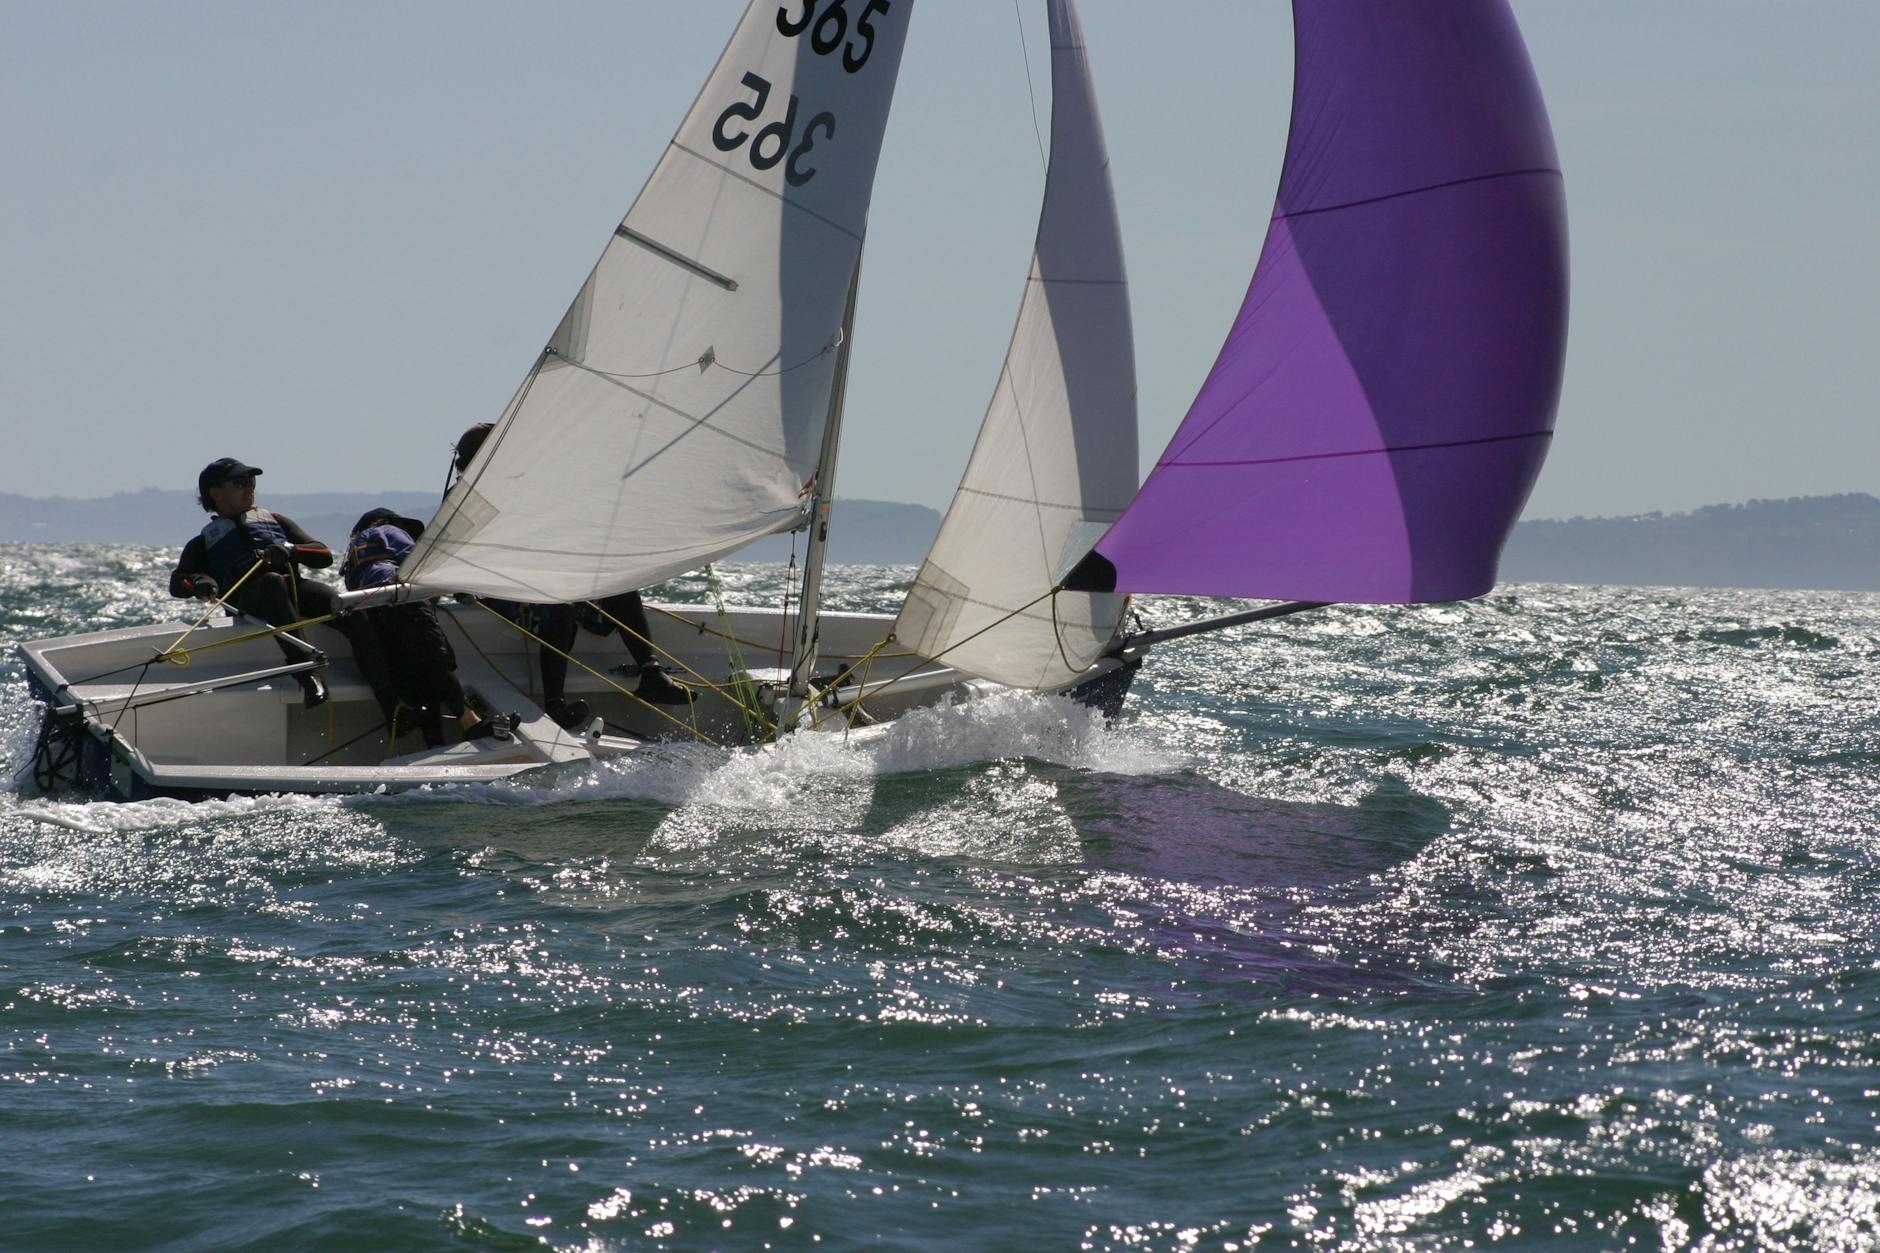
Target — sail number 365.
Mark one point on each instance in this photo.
(831, 29)
(778, 140)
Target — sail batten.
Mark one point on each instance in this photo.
(1382, 403)
(677, 258)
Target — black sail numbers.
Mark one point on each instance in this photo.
(830, 30)
(769, 143)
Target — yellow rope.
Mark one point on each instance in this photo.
(702, 629)
(219, 602)
(911, 670)
(738, 670)
(723, 689)
(489, 661)
(689, 729)
(854, 707)
(182, 658)
(627, 630)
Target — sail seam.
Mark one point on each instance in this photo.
(1362, 452)
(461, 548)
(728, 172)
(1416, 191)
(1023, 612)
(1042, 504)
(1086, 282)
(696, 421)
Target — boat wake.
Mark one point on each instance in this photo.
(806, 772)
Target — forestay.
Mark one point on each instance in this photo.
(678, 410)
(1056, 457)
(1382, 404)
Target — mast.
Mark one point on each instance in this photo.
(808, 623)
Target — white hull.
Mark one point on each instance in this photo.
(232, 722)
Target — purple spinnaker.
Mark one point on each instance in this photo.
(1381, 407)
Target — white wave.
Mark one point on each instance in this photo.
(807, 772)
(162, 813)
(1014, 724)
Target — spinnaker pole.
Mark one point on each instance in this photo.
(1144, 639)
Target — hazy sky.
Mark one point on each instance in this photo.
(325, 238)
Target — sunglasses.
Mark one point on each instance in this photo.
(245, 480)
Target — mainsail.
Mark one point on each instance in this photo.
(677, 412)
(1382, 404)
(1056, 458)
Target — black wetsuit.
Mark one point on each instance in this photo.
(422, 663)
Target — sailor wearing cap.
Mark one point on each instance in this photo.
(237, 537)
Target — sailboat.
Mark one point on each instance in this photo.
(1369, 432)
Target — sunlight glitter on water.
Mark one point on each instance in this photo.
(1545, 919)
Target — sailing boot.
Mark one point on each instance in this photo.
(568, 714)
(655, 688)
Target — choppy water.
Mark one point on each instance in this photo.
(1545, 919)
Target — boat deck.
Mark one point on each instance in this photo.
(232, 718)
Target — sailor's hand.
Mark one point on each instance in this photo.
(203, 587)
(279, 558)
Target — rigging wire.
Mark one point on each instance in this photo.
(957, 644)
(756, 645)
(789, 585)
(1031, 92)
(695, 679)
(517, 626)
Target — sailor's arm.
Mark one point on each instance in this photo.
(302, 548)
(191, 578)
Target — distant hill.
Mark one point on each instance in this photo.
(1826, 542)
(866, 532)
(1831, 543)
(862, 533)
(169, 518)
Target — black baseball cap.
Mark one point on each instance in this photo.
(221, 470)
(386, 517)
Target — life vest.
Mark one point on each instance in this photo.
(233, 544)
(374, 555)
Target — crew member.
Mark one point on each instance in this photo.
(237, 536)
(557, 625)
(418, 655)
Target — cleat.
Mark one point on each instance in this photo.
(494, 727)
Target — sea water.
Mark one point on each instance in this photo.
(1552, 918)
